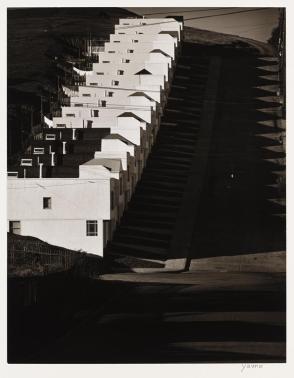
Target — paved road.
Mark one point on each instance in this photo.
(188, 317)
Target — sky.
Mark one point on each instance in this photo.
(257, 24)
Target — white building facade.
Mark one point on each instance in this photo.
(73, 184)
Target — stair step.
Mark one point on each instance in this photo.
(136, 239)
(139, 250)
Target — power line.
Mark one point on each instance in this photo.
(188, 11)
(226, 14)
(192, 18)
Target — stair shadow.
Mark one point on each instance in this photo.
(238, 213)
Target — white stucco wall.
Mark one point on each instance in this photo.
(148, 25)
(73, 201)
(119, 96)
(117, 57)
(123, 47)
(107, 115)
(126, 81)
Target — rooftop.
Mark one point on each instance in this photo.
(113, 165)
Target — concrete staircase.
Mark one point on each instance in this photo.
(143, 237)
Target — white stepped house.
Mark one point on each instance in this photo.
(139, 38)
(149, 26)
(70, 213)
(128, 125)
(132, 45)
(114, 144)
(134, 68)
(100, 97)
(154, 56)
(96, 93)
(128, 82)
(100, 143)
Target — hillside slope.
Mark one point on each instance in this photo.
(214, 39)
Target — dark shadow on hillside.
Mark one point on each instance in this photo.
(243, 206)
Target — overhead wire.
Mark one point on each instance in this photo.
(122, 27)
(189, 11)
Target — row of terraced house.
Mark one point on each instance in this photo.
(72, 185)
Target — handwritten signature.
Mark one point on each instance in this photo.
(251, 366)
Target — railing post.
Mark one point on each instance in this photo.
(52, 159)
(63, 148)
(40, 170)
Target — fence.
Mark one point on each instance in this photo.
(35, 255)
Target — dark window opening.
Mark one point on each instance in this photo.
(46, 202)
(14, 227)
(92, 228)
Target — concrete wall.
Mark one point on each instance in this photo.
(120, 69)
(123, 47)
(117, 57)
(107, 115)
(126, 81)
(65, 223)
(118, 95)
(148, 26)
(139, 39)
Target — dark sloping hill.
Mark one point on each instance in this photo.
(36, 35)
(214, 39)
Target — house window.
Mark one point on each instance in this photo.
(112, 200)
(130, 51)
(125, 60)
(120, 72)
(135, 41)
(14, 227)
(50, 137)
(78, 104)
(61, 125)
(86, 95)
(38, 150)
(105, 61)
(100, 73)
(28, 162)
(70, 115)
(116, 41)
(92, 228)
(46, 202)
(12, 174)
(108, 94)
(103, 103)
(93, 83)
(115, 82)
(95, 113)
